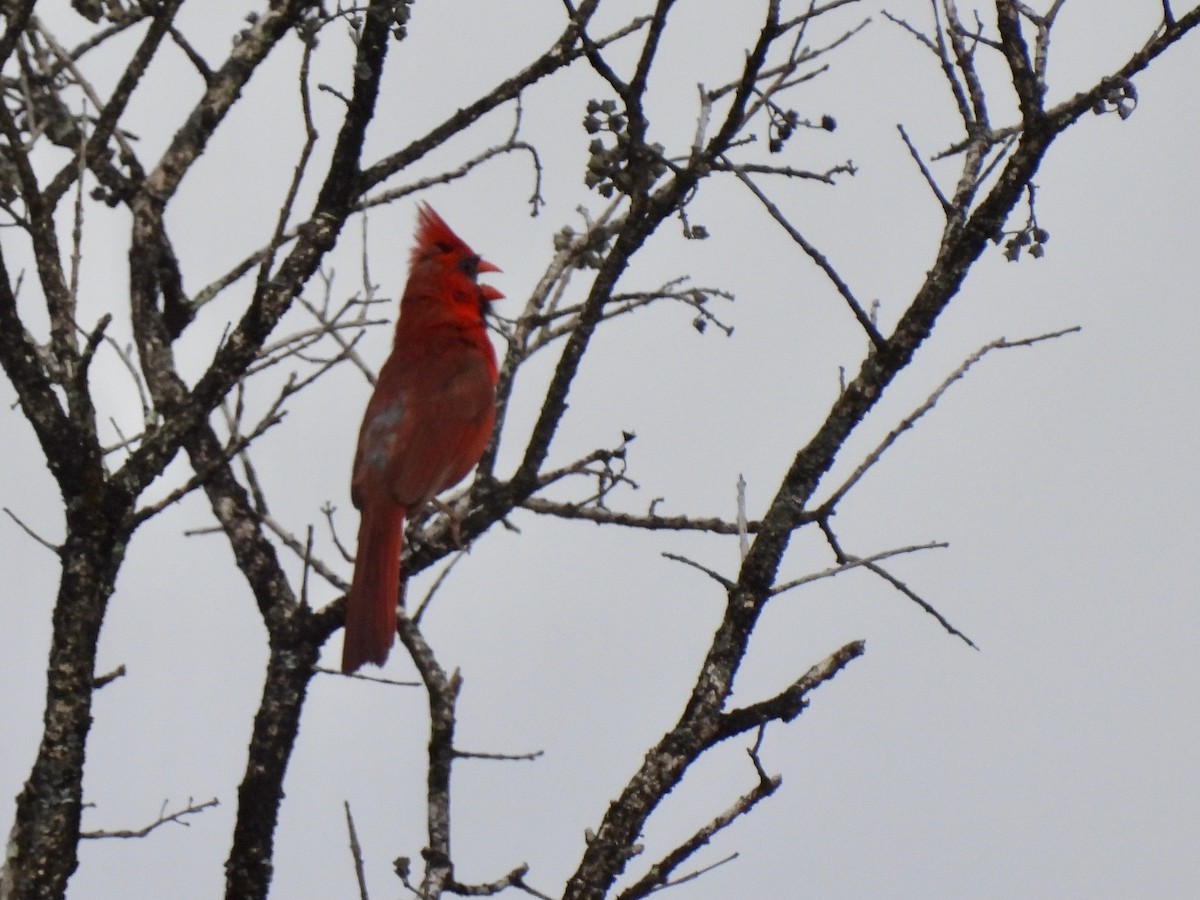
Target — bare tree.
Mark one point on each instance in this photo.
(69, 149)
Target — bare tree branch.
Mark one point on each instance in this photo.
(659, 875)
(356, 853)
(179, 817)
(68, 117)
(930, 402)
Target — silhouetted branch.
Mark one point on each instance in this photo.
(178, 817)
(356, 853)
(911, 419)
(58, 124)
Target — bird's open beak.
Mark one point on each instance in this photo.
(488, 292)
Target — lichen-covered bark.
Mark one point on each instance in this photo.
(45, 836)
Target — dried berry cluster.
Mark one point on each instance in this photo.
(1119, 96)
(784, 122)
(1033, 238)
(591, 253)
(627, 165)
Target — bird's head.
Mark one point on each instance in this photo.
(445, 266)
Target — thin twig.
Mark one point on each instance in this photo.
(49, 545)
(77, 216)
(720, 579)
(947, 208)
(502, 757)
(658, 876)
(855, 563)
(491, 888)
(108, 677)
(297, 547)
(817, 257)
(603, 516)
(377, 679)
(163, 818)
(915, 598)
(743, 525)
(911, 419)
(356, 852)
(437, 583)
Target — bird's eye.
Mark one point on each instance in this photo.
(469, 266)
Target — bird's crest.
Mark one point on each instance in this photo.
(434, 236)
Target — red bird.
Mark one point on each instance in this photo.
(425, 426)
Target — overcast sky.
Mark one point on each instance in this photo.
(1061, 760)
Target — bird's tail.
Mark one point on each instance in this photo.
(371, 603)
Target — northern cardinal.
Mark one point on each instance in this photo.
(425, 426)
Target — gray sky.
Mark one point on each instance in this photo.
(1059, 761)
